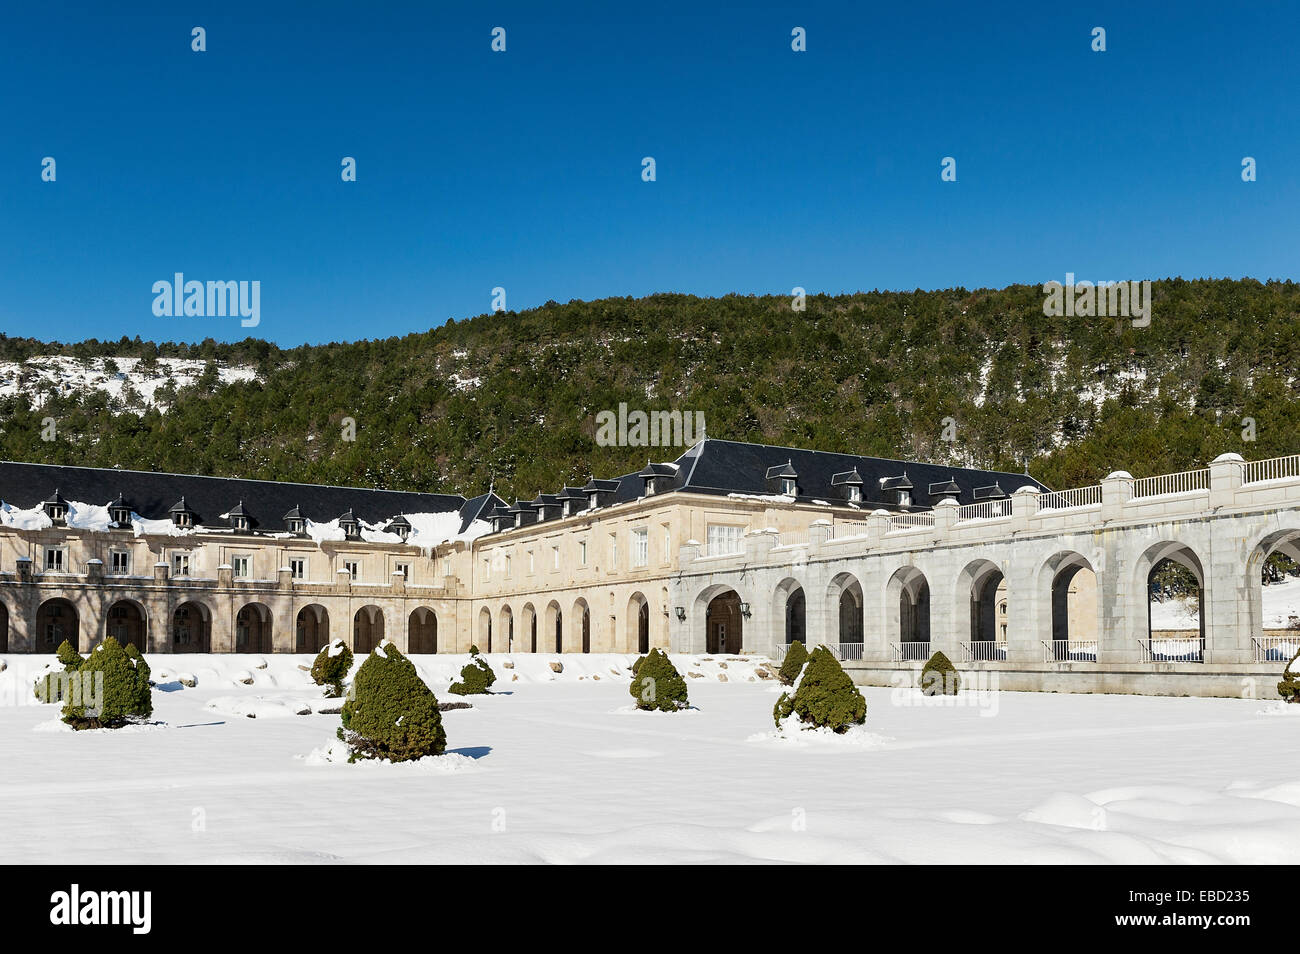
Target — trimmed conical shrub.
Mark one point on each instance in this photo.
(69, 657)
(795, 657)
(823, 697)
(51, 685)
(476, 677)
(657, 684)
(331, 667)
(939, 677)
(1289, 687)
(390, 713)
(111, 689)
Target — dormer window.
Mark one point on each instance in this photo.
(182, 516)
(182, 520)
(56, 508)
(294, 521)
(241, 521)
(788, 486)
(119, 511)
(350, 526)
(400, 526)
(592, 501)
(567, 507)
(855, 493)
(783, 479)
(905, 498)
(650, 486)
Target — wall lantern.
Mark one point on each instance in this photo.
(744, 610)
(681, 613)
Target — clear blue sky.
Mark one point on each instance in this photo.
(523, 169)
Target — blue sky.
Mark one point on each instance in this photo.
(523, 169)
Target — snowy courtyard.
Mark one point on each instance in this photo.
(560, 768)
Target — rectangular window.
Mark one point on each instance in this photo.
(507, 566)
(582, 552)
(56, 559)
(298, 569)
(722, 538)
(668, 545)
(121, 562)
(613, 551)
(532, 566)
(353, 568)
(180, 564)
(242, 567)
(555, 558)
(640, 547)
(404, 569)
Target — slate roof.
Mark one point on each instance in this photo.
(732, 467)
(152, 495)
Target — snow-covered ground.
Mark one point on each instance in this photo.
(1281, 601)
(67, 375)
(559, 768)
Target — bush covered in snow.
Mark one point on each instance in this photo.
(657, 684)
(939, 677)
(476, 677)
(50, 686)
(390, 713)
(823, 696)
(1289, 687)
(331, 667)
(123, 694)
(795, 657)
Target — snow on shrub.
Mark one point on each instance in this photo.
(331, 668)
(823, 696)
(50, 686)
(114, 689)
(477, 676)
(656, 683)
(1289, 687)
(390, 713)
(795, 657)
(939, 677)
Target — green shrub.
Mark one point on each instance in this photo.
(122, 696)
(390, 713)
(477, 676)
(1289, 687)
(825, 696)
(656, 683)
(939, 677)
(795, 657)
(331, 667)
(69, 657)
(636, 665)
(50, 686)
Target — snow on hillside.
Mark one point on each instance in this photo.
(67, 375)
(557, 768)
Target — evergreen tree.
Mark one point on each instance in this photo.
(331, 667)
(390, 713)
(795, 657)
(657, 684)
(114, 689)
(824, 697)
(939, 677)
(476, 676)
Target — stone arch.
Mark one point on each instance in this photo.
(192, 628)
(483, 632)
(907, 613)
(580, 620)
(1068, 598)
(553, 630)
(422, 631)
(636, 630)
(719, 607)
(367, 629)
(528, 627)
(506, 628)
(254, 629)
(845, 605)
(1276, 634)
(980, 588)
(127, 621)
(790, 608)
(56, 620)
(1170, 648)
(311, 629)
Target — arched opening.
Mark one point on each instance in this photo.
(367, 629)
(507, 629)
(253, 629)
(796, 617)
(637, 624)
(528, 619)
(848, 604)
(4, 628)
(1174, 583)
(483, 638)
(555, 626)
(57, 620)
(983, 587)
(582, 617)
(1273, 586)
(1074, 634)
(723, 624)
(126, 624)
(312, 629)
(422, 631)
(909, 627)
(191, 629)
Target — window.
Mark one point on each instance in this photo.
(532, 567)
(242, 566)
(57, 511)
(404, 569)
(650, 487)
(352, 567)
(905, 498)
(121, 562)
(640, 546)
(182, 518)
(613, 551)
(180, 564)
(787, 486)
(855, 493)
(294, 524)
(668, 545)
(722, 538)
(555, 558)
(241, 524)
(507, 566)
(119, 515)
(56, 559)
(297, 569)
(582, 552)
(487, 568)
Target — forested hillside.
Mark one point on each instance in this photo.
(513, 396)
